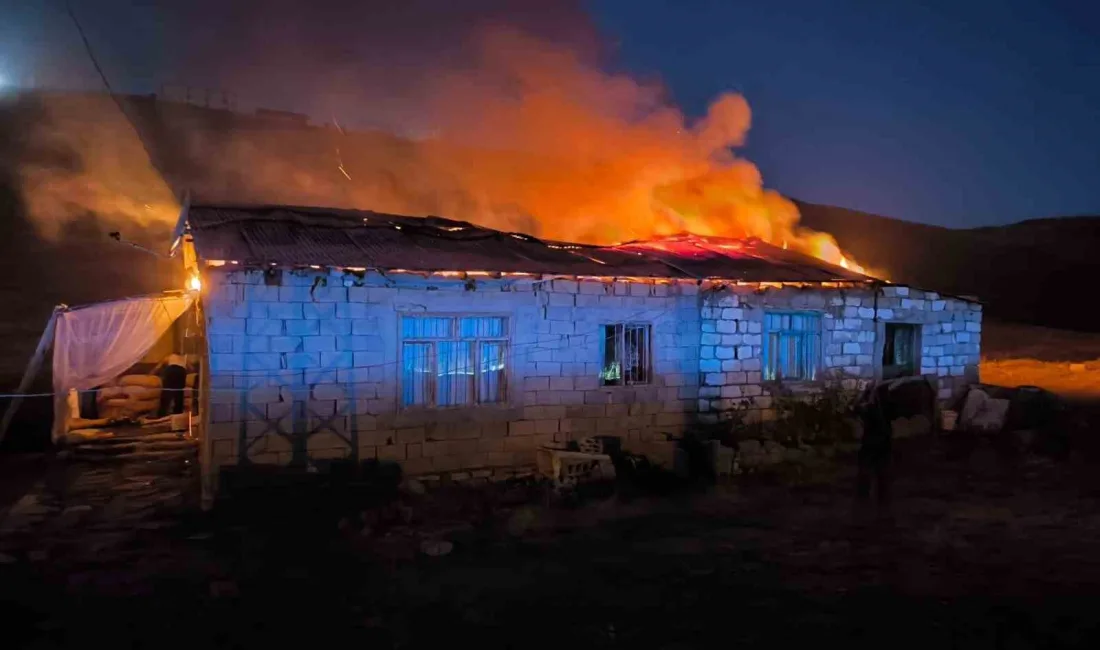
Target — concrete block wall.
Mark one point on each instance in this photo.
(304, 365)
(852, 339)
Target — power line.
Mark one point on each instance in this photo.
(106, 82)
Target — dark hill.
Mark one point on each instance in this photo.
(1037, 271)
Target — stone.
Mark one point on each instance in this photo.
(413, 486)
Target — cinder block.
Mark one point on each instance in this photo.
(318, 311)
(298, 294)
(366, 327)
(523, 428)
(548, 369)
(560, 383)
(285, 343)
(520, 443)
(710, 365)
(263, 327)
(353, 342)
(264, 395)
(261, 293)
(313, 376)
(223, 363)
(546, 426)
(536, 383)
(300, 328)
(563, 286)
(284, 310)
(329, 294)
(221, 343)
(351, 310)
(300, 360)
(342, 359)
(392, 452)
(328, 392)
(334, 326)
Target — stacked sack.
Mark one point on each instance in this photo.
(129, 396)
(134, 396)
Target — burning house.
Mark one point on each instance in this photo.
(449, 347)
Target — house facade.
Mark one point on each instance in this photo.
(451, 348)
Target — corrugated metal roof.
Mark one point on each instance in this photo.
(333, 237)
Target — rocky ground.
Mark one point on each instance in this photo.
(984, 547)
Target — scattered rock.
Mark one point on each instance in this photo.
(413, 486)
(436, 547)
(29, 505)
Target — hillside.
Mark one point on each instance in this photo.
(1035, 271)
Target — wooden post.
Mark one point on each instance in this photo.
(31, 372)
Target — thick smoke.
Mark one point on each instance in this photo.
(507, 121)
(84, 162)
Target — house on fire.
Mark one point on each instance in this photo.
(449, 347)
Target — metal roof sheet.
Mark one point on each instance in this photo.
(298, 236)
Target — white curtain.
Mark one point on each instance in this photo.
(95, 344)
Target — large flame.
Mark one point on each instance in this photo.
(532, 137)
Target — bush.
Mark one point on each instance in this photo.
(821, 416)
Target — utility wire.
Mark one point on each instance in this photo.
(107, 83)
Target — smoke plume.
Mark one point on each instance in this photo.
(511, 122)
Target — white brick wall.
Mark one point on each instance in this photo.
(329, 344)
(853, 330)
(333, 350)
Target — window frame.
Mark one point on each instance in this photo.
(917, 355)
(818, 365)
(649, 365)
(432, 401)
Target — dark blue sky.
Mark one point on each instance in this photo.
(954, 113)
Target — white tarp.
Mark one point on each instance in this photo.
(95, 344)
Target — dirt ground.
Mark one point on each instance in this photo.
(982, 548)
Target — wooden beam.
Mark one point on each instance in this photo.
(33, 367)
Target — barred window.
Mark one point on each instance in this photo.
(453, 360)
(626, 355)
(792, 345)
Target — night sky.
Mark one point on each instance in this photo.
(953, 113)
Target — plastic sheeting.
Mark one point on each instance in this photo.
(95, 344)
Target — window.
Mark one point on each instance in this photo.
(453, 360)
(792, 346)
(625, 353)
(899, 351)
